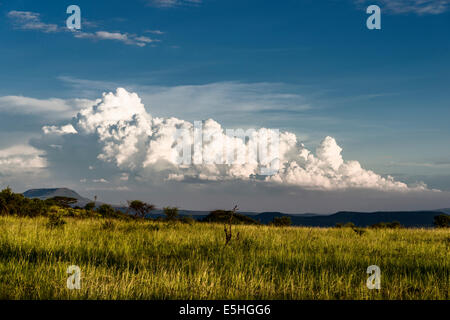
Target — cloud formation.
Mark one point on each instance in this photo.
(138, 143)
(26, 20)
(53, 107)
(419, 7)
(21, 158)
(130, 39)
(172, 3)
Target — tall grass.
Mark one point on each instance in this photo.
(156, 260)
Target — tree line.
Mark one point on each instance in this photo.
(18, 205)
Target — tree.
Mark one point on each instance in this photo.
(223, 216)
(171, 213)
(140, 208)
(3, 206)
(442, 221)
(282, 221)
(64, 202)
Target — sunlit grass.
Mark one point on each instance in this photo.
(157, 260)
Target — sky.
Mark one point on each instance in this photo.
(363, 114)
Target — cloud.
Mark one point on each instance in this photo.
(67, 129)
(53, 107)
(27, 20)
(21, 158)
(420, 7)
(130, 39)
(172, 3)
(158, 32)
(140, 145)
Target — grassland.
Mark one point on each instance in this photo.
(159, 260)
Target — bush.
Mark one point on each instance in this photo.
(188, 220)
(171, 213)
(105, 210)
(349, 225)
(16, 204)
(346, 225)
(442, 221)
(108, 225)
(89, 206)
(387, 225)
(282, 221)
(153, 227)
(359, 231)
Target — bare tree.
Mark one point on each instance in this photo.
(227, 228)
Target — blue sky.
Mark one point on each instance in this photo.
(382, 94)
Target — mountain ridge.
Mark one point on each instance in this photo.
(419, 218)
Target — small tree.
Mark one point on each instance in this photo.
(140, 208)
(171, 213)
(442, 221)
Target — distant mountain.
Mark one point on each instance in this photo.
(422, 219)
(44, 194)
(267, 217)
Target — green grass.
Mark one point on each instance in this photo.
(149, 260)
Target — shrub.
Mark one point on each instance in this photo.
(359, 231)
(108, 225)
(105, 210)
(16, 204)
(349, 225)
(153, 227)
(282, 221)
(387, 225)
(89, 206)
(188, 220)
(171, 213)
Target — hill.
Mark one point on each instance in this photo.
(44, 194)
(423, 219)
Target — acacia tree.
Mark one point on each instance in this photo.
(140, 208)
(64, 202)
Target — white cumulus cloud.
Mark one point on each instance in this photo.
(136, 142)
(21, 158)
